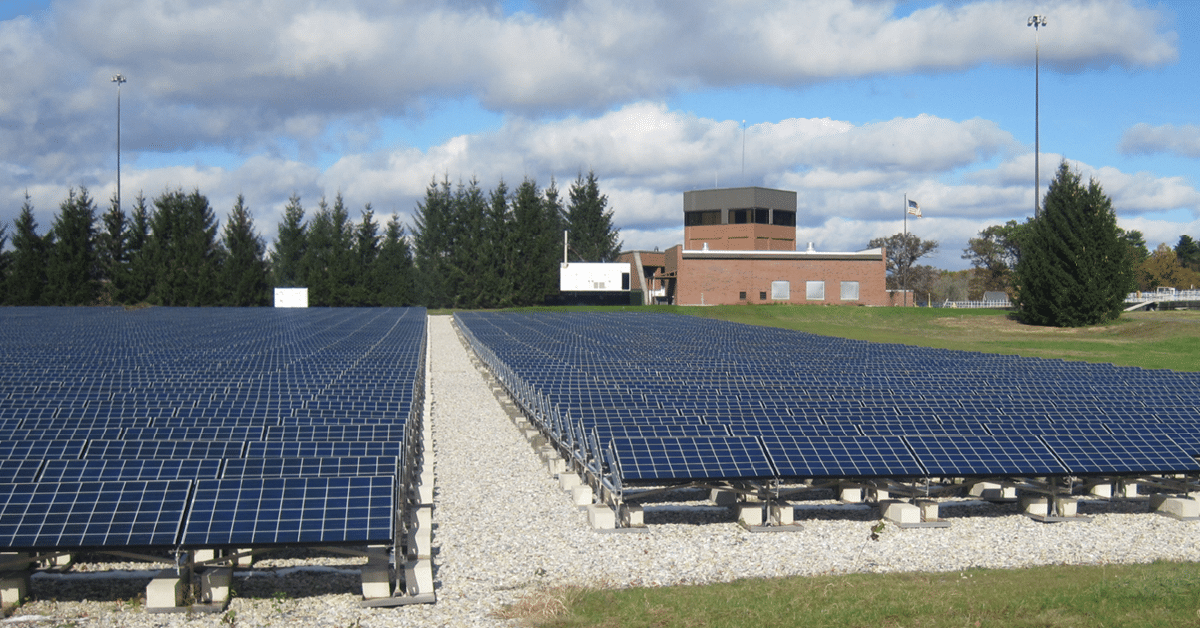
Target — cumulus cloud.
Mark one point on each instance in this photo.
(1143, 139)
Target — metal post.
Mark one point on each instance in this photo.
(118, 79)
(1036, 21)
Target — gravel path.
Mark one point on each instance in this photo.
(503, 529)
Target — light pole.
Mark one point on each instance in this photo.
(1036, 21)
(118, 79)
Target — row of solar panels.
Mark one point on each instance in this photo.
(625, 424)
(164, 435)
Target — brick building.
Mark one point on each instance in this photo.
(740, 247)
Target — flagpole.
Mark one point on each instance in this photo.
(904, 280)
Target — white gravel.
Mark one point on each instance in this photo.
(503, 528)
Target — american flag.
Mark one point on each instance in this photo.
(914, 208)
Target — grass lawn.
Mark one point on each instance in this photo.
(1157, 594)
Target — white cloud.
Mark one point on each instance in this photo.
(1143, 139)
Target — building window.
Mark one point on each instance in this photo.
(784, 218)
(739, 216)
(696, 219)
(815, 290)
(762, 296)
(849, 290)
(781, 290)
(741, 296)
(762, 216)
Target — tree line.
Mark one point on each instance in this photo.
(469, 248)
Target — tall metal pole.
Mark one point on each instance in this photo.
(1036, 21)
(904, 278)
(118, 79)
(743, 152)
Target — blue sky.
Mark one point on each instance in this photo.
(852, 104)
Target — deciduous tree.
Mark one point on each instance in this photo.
(903, 251)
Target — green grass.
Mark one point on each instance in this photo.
(1157, 594)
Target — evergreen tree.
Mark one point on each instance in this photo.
(534, 245)
(183, 251)
(393, 268)
(469, 208)
(112, 254)
(72, 273)
(244, 272)
(1137, 246)
(1075, 269)
(432, 246)
(592, 235)
(366, 254)
(1188, 252)
(5, 261)
(27, 272)
(288, 253)
(329, 257)
(141, 274)
(495, 267)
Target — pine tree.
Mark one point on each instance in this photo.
(1075, 268)
(393, 269)
(244, 272)
(288, 253)
(469, 207)
(432, 246)
(111, 251)
(534, 245)
(27, 273)
(366, 254)
(592, 235)
(5, 261)
(72, 274)
(141, 274)
(495, 254)
(183, 251)
(1188, 252)
(329, 257)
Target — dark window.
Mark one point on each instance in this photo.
(739, 216)
(762, 296)
(784, 218)
(762, 216)
(624, 281)
(742, 296)
(693, 219)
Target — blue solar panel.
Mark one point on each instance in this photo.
(163, 449)
(1119, 453)
(20, 469)
(983, 454)
(18, 449)
(813, 457)
(310, 467)
(115, 469)
(92, 514)
(323, 449)
(256, 512)
(672, 459)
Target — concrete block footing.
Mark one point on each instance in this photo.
(900, 513)
(581, 495)
(202, 555)
(993, 492)
(850, 494)
(568, 481)
(243, 561)
(14, 588)
(601, 517)
(377, 580)
(556, 465)
(214, 585)
(1128, 490)
(750, 514)
(723, 497)
(928, 508)
(782, 514)
(1103, 491)
(1035, 505)
(632, 516)
(1182, 508)
(165, 592)
(418, 578)
(878, 495)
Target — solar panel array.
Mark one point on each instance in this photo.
(656, 399)
(197, 428)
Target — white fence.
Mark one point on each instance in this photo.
(974, 305)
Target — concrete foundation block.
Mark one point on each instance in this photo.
(750, 514)
(568, 481)
(783, 514)
(581, 495)
(14, 588)
(1035, 505)
(1103, 491)
(418, 577)
(632, 517)
(1180, 507)
(877, 495)
(556, 465)
(1066, 506)
(902, 513)
(850, 494)
(243, 561)
(377, 580)
(722, 497)
(419, 543)
(202, 555)
(422, 517)
(165, 591)
(1129, 490)
(992, 491)
(928, 508)
(601, 517)
(214, 585)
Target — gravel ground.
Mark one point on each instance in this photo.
(503, 529)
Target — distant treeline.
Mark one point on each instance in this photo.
(468, 249)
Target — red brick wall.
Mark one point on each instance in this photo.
(720, 280)
(744, 237)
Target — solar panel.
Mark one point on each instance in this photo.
(310, 467)
(797, 456)
(112, 469)
(983, 454)
(20, 469)
(163, 449)
(323, 449)
(1119, 453)
(92, 514)
(663, 459)
(18, 449)
(256, 512)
